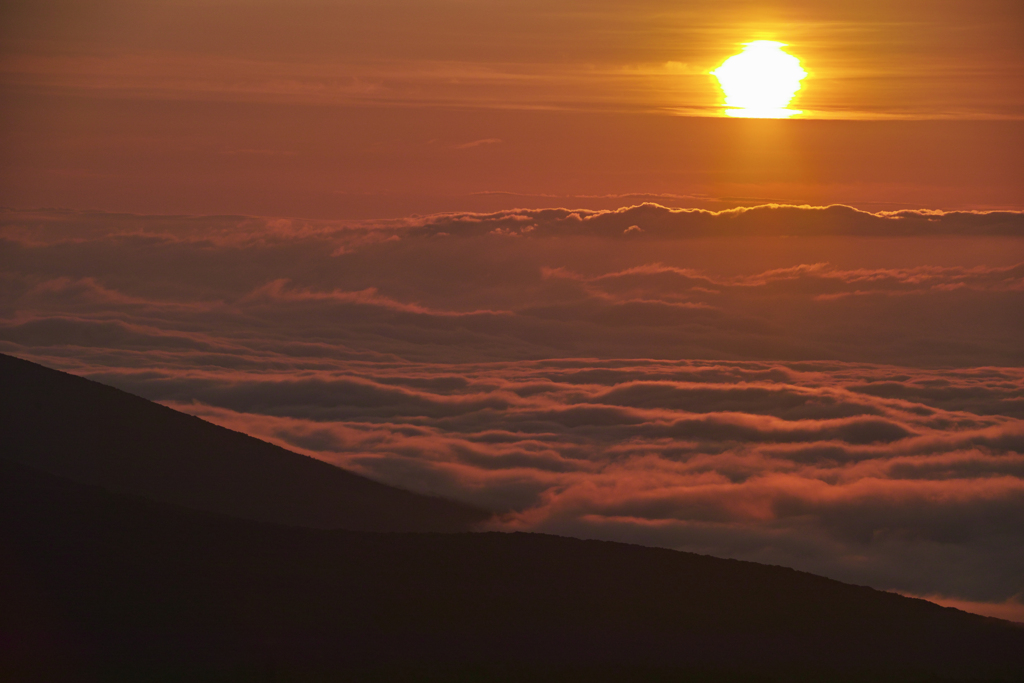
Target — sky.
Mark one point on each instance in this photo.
(517, 254)
(366, 109)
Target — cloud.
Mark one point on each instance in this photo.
(819, 387)
(659, 222)
(890, 492)
(279, 292)
(531, 55)
(656, 221)
(478, 143)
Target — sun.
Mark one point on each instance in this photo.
(761, 81)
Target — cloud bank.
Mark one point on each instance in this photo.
(823, 388)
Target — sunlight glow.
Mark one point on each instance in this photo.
(761, 81)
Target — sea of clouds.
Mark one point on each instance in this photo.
(818, 387)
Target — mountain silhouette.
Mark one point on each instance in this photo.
(118, 562)
(96, 434)
(102, 586)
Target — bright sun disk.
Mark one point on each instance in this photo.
(761, 81)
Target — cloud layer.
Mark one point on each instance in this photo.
(821, 388)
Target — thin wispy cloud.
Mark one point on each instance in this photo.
(952, 60)
(478, 143)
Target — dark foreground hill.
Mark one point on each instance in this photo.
(96, 434)
(101, 586)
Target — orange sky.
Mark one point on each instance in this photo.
(369, 109)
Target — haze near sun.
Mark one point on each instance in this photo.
(761, 81)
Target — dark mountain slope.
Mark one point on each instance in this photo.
(101, 586)
(96, 434)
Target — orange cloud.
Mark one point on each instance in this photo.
(850, 405)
